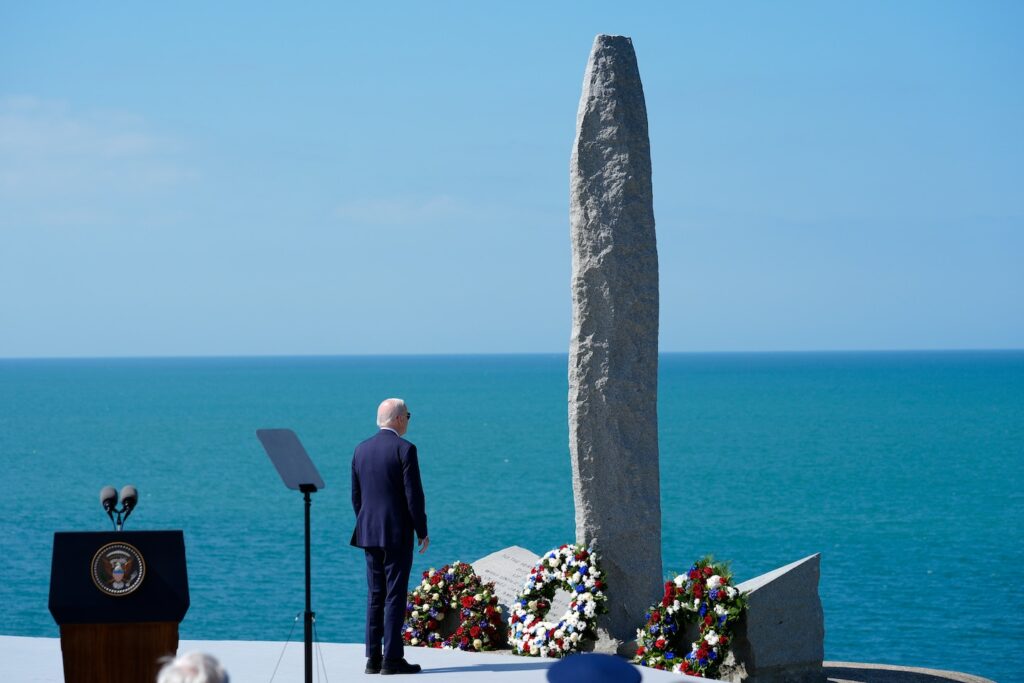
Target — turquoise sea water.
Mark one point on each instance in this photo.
(902, 469)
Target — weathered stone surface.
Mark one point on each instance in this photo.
(782, 635)
(613, 355)
(508, 569)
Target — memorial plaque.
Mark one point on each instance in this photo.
(509, 569)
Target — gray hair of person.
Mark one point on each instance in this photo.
(389, 410)
(192, 667)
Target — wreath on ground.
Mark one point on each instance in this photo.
(453, 587)
(701, 596)
(573, 568)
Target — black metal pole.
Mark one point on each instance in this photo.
(308, 620)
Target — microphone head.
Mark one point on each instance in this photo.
(108, 498)
(129, 497)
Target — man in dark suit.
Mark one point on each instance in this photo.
(387, 495)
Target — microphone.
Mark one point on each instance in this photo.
(129, 499)
(109, 499)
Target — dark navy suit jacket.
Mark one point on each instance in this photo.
(387, 494)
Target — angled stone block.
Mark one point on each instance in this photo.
(781, 638)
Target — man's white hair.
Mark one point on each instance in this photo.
(193, 667)
(389, 410)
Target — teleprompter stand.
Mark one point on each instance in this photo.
(297, 472)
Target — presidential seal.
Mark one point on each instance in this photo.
(118, 568)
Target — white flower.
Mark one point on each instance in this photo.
(711, 637)
(680, 580)
(414, 641)
(695, 647)
(696, 603)
(478, 597)
(677, 669)
(498, 609)
(478, 643)
(574, 637)
(431, 573)
(714, 582)
(719, 610)
(675, 604)
(732, 592)
(553, 562)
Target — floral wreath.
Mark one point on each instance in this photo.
(701, 596)
(573, 568)
(456, 587)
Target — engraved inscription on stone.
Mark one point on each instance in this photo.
(509, 569)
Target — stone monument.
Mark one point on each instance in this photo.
(613, 355)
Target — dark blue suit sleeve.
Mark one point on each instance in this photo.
(357, 494)
(414, 492)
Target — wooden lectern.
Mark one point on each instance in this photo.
(118, 597)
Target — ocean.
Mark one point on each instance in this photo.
(900, 468)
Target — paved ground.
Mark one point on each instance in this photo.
(37, 660)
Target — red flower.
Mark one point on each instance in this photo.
(431, 624)
(702, 653)
(464, 641)
(488, 610)
(655, 617)
(418, 600)
(407, 635)
(460, 631)
(659, 643)
(467, 601)
(599, 584)
(666, 601)
(708, 571)
(640, 650)
(694, 574)
(723, 640)
(698, 591)
(708, 620)
(475, 631)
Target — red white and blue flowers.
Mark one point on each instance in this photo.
(453, 587)
(573, 568)
(702, 596)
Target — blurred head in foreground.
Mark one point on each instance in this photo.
(193, 667)
(593, 668)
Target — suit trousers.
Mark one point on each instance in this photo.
(387, 577)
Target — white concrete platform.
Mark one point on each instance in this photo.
(38, 660)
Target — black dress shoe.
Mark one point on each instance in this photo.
(373, 665)
(398, 666)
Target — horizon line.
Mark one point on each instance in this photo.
(483, 354)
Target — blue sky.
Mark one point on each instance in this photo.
(333, 178)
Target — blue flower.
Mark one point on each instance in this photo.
(703, 609)
(466, 612)
(690, 656)
(654, 629)
(524, 602)
(670, 655)
(583, 569)
(712, 656)
(693, 568)
(721, 619)
(581, 588)
(433, 613)
(714, 594)
(703, 662)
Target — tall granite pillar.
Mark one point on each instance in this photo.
(613, 355)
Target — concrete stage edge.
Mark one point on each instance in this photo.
(38, 660)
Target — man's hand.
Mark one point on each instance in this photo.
(424, 544)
